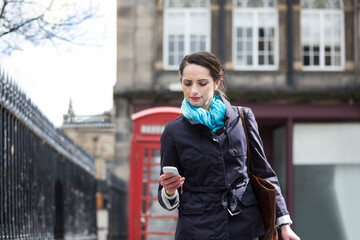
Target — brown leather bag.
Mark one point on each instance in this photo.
(265, 192)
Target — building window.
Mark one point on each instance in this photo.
(186, 29)
(322, 35)
(255, 35)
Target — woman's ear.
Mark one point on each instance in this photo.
(217, 84)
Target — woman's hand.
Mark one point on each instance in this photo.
(170, 183)
(288, 234)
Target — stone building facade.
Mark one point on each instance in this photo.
(295, 63)
(96, 134)
(143, 80)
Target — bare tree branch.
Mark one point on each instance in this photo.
(3, 8)
(39, 21)
(13, 29)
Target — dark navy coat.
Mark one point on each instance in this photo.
(216, 180)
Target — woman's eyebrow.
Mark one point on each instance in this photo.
(203, 79)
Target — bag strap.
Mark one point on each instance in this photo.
(250, 164)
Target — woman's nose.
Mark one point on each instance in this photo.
(194, 90)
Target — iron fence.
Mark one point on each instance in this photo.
(118, 213)
(47, 184)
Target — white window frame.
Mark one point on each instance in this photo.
(255, 27)
(321, 13)
(187, 12)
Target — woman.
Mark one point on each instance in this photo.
(207, 144)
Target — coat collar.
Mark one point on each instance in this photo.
(232, 113)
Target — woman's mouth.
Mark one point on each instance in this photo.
(195, 98)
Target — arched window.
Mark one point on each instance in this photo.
(322, 35)
(187, 26)
(255, 35)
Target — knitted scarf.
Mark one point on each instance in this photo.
(214, 118)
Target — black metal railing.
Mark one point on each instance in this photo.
(47, 184)
(117, 190)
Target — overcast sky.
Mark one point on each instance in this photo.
(52, 76)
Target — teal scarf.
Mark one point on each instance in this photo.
(214, 118)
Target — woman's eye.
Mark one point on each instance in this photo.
(187, 84)
(203, 84)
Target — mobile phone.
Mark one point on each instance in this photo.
(170, 169)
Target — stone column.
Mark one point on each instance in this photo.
(122, 138)
(124, 83)
(135, 70)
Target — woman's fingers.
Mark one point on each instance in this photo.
(170, 182)
(168, 176)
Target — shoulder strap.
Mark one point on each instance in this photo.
(250, 164)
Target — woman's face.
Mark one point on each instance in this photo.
(198, 85)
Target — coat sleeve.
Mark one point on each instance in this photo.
(169, 157)
(261, 166)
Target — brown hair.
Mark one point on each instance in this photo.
(209, 61)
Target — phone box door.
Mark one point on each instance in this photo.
(147, 219)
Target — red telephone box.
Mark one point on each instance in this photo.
(147, 219)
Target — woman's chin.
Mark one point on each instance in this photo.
(194, 104)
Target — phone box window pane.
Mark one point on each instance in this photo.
(155, 172)
(154, 188)
(145, 173)
(145, 156)
(143, 204)
(145, 188)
